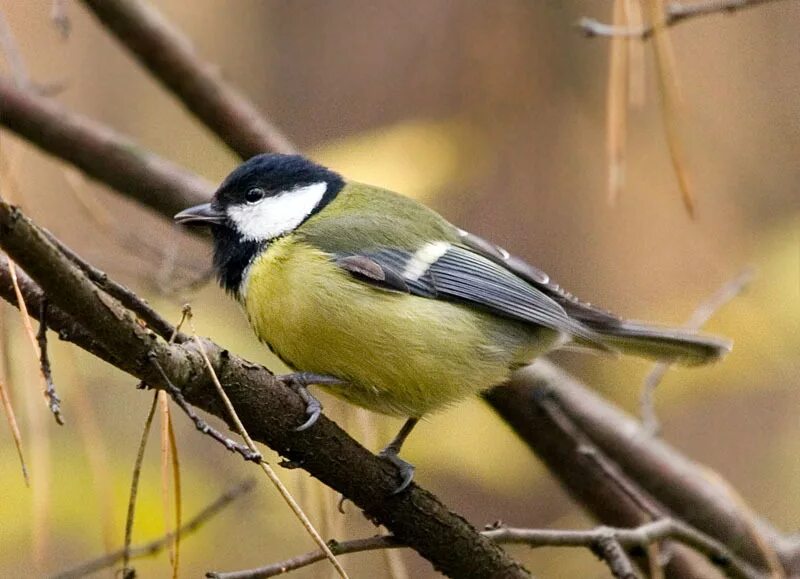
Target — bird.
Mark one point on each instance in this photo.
(381, 301)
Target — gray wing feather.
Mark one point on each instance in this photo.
(584, 312)
(462, 275)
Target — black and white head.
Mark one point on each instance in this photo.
(263, 199)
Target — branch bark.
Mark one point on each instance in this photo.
(683, 487)
(269, 410)
(169, 55)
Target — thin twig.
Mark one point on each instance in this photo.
(617, 97)
(273, 477)
(157, 545)
(669, 102)
(127, 572)
(126, 297)
(615, 477)
(48, 389)
(610, 550)
(697, 320)
(642, 536)
(53, 401)
(674, 13)
(201, 424)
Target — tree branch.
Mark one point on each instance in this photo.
(169, 55)
(267, 408)
(674, 13)
(677, 483)
(555, 439)
(640, 537)
(100, 152)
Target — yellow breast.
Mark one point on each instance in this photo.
(399, 354)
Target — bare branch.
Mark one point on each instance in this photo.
(126, 297)
(642, 536)
(603, 489)
(171, 58)
(268, 409)
(156, 546)
(681, 486)
(203, 426)
(100, 152)
(675, 13)
(53, 401)
(609, 549)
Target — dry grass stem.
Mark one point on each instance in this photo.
(669, 91)
(8, 407)
(617, 106)
(127, 572)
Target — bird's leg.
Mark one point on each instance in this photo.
(299, 382)
(392, 451)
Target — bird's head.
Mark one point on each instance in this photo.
(266, 197)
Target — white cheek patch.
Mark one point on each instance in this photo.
(424, 258)
(274, 216)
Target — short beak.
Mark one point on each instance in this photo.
(199, 215)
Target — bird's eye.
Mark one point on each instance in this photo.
(254, 195)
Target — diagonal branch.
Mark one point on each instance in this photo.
(267, 408)
(680, 485)
(100, 152)
(169, 55)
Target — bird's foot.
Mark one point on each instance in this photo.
(404, 469)
(299, 382)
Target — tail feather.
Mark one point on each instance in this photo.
(678, 346)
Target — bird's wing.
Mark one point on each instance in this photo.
(442, 270)
(581, 311)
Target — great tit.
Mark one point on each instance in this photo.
(384, 303)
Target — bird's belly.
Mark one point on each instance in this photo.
(397, 354)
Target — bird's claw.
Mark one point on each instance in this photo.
(313, 409)
(299, 382)
(404, 469)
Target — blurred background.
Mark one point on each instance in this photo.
(494, 113)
